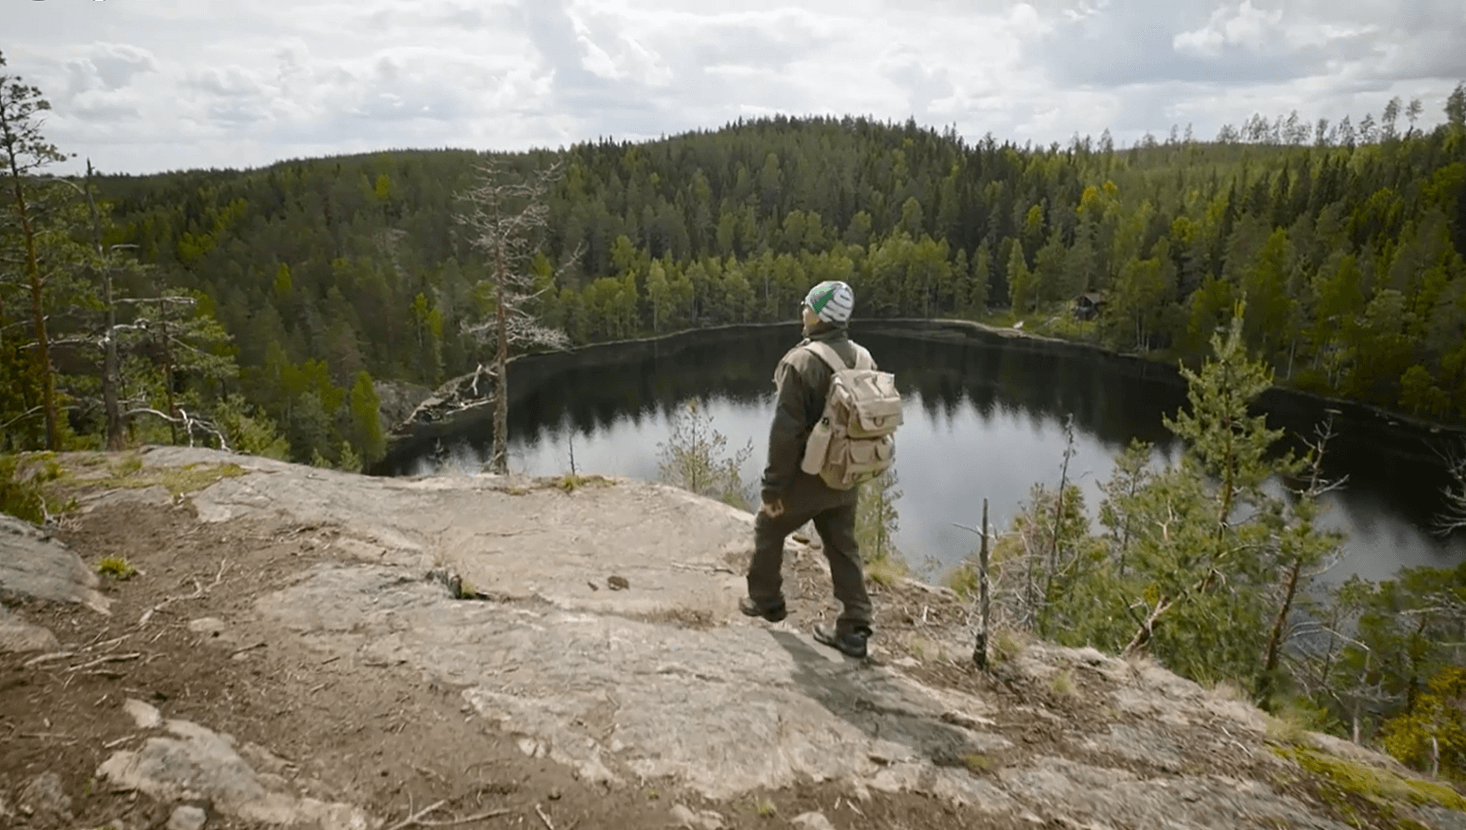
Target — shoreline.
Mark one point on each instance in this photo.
(944, 329)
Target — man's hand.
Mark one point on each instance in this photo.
(773, 508)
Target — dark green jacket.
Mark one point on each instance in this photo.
(802, 380)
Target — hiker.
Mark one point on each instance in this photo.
(800, 483)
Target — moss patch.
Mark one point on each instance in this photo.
(1380, 787)
(571, 483)
(128, 472)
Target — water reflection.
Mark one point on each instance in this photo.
(984, 418)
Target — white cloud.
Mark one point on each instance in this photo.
(1244, 26)
(174, 83)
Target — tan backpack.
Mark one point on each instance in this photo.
(854, 440)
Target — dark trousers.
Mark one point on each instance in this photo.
(833, 513)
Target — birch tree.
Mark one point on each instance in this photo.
(507, 216)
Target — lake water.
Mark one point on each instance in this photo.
(984, 418)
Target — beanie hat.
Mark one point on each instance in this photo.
(832, 300)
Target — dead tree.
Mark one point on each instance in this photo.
(507, 215)
(1453, 516)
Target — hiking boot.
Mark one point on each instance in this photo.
(774, 614)
(850, 643)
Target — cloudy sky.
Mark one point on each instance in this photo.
(148, 85)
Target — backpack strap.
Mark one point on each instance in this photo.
(834, 361)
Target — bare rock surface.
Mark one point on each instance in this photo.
(729, 710)
(33, 563)
(193, 762)
(510, 538)
(18, 635)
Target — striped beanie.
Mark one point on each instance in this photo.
(832, 300)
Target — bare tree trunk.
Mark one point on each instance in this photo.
(980, 650)
(499, 461)
(1275, 635)
(167, 362)
(109, 342)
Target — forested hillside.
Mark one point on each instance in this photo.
(1347, 243)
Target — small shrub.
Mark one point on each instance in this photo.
(1062, 683)
(964, 580)
(1006, 645)
(126, 465)
(977, 763)
(1434, 726)
(1286, 728)
(694, 458)
(766, 808)
(22, 489)
(570, 483)
(1230, 690)
(116, 567)
(885, 571)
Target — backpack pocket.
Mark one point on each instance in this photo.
(817, 447)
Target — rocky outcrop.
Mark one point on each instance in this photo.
(499, 588)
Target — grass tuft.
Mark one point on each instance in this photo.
(116, 567)
(977, 763)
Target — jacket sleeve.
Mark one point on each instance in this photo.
(787, 435)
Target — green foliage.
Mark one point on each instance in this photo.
(1431, 734)
(964, 579)
(1349, 255)
(693, 458)
(1198, 564)
(1061, 683)
(571, 482)
(876, 523)
(367, 440)
(248, 431)
(22, 487)
(1408, 631)
(977, 763)
(116, 567)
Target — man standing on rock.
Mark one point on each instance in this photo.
(792, 497)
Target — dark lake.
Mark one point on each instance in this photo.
(984, 418)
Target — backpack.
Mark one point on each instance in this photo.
(854, 440)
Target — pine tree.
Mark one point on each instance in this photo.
(24, 153)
